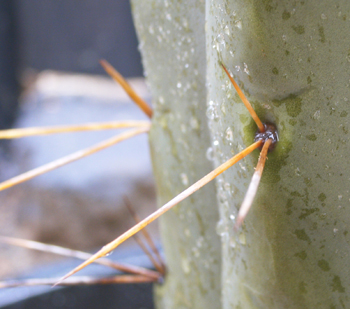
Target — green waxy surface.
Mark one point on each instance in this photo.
(172, 42)
(292, 60)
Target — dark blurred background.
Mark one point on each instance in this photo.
(64, 35)
(72, 35)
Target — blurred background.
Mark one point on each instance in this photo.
(50, 75)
